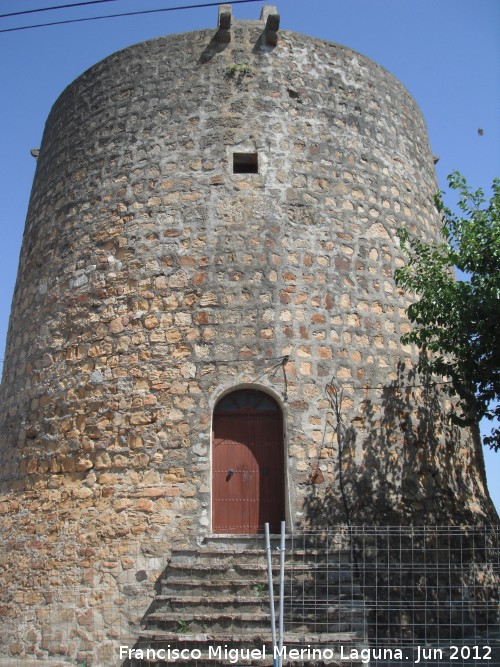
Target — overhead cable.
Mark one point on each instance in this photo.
(112, 16)
(49, 9)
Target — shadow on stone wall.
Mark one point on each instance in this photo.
(423, 532)
(403, 462)
(430, 583)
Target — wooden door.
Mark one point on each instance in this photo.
(247, 464)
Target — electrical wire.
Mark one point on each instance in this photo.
(111, 16)
(49, 9)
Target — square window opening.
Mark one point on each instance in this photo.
(245, 163)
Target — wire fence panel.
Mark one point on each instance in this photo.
(432, 592)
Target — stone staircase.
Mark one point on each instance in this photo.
(213, 604)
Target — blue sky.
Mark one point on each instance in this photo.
(446, 52)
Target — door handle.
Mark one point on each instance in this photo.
(230, 473)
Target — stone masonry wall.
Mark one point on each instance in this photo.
(152, 279)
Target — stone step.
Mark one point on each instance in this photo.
(292, 638)
(297, 557)
(294, 609)
(217, 594)
(243, 541)
(334, 646)
(258, 542)
(247, 586)
(296, 591)
(213, 622)
(258, 571)
(336, 660)
(219, 600)
(228, 602)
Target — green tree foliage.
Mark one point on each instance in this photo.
(456, 323)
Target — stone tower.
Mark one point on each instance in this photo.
(211, 241)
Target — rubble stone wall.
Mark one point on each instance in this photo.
(152, 279)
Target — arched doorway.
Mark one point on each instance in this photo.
(248, 485)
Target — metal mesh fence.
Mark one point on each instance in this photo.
(432, 592)
(354, 596)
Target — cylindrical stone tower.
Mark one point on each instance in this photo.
(211, 241)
